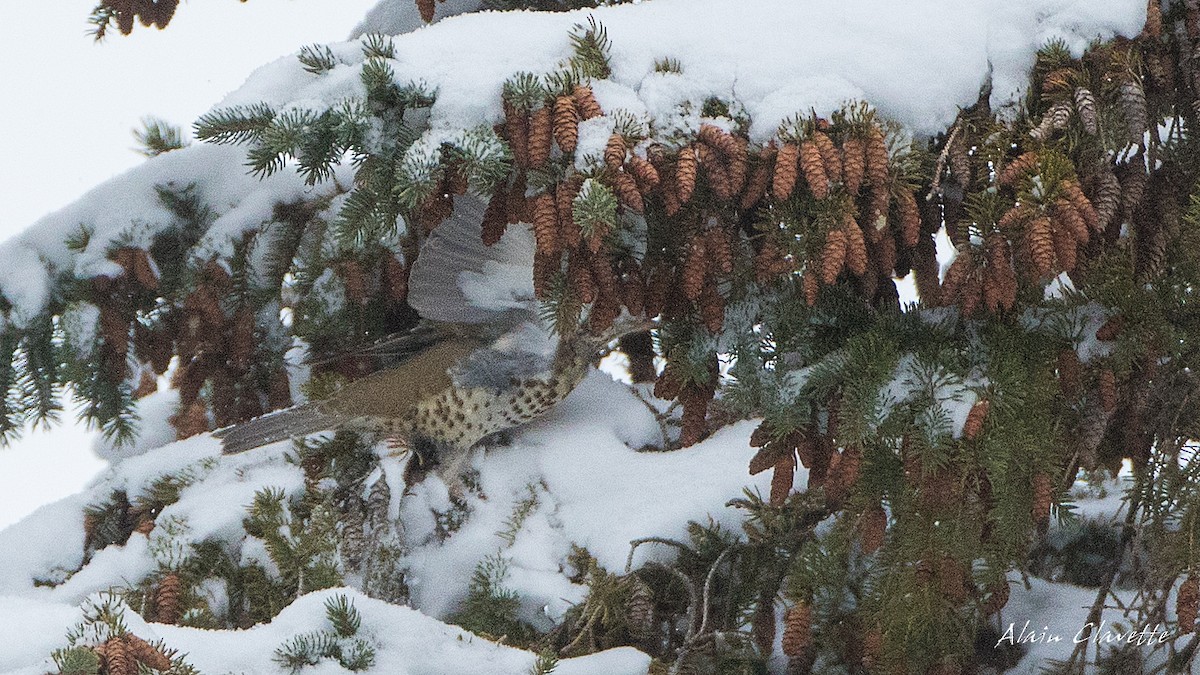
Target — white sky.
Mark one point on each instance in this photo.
(67, 107)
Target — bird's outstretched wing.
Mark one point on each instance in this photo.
(457, 279)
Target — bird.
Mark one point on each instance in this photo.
(479, 362)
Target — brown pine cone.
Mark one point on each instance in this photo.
(695, 268)
(1065, 246)
(782, 479)
(719, 140)
(695, 399)
(1023, 164)
(797, 629)
(1014, 218)
(569, 233)
(1106, 387)
(1111, 329)
(580, 277)
(1003, 273)
(833, 256)
(716, 172)
(1067, 215)
(1083, 205)
(1043, 494)
(639, 609)
(545, 224)
(644, 172)
(614, 152)
(544, 268)
(830, 157)
(872, 529)
(720, 252)
(1108, 197)
(1040, 243)
(516, 127)
(117, 660)
(910, 218)
(426, 7)
(585, 101)
(495, 221)
(762, 626)
(633, 292)
(145, 653)
(1132, 99)
(872, 649)
(975, 419)
(566, 124)
(166, 599)
(685, 174)
(712, 308)
(956, 276)
(877, 173)
(1186, 604)
(516, 206)
(856, 247)
(541, 136)
(760, 179)
(787, 166)
(1070, 373)
(813, 166)
(854, 163)
(1085, 105)
(627, 192)
(810, 284)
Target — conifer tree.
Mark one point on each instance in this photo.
(940, 439)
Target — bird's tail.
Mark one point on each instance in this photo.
(273, 427)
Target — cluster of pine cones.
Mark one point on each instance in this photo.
(157, 13)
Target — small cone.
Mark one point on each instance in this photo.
(166, 599)
(1043, 494)
(782, 479)
(854, 164)
(813, 167)
(856, 247)
(685, 174)
(759, 181)
(1019, 167)
(614, 152)
(545, 224)
(644, 172)
(797, 630)
(117, 660)
(145, 653)
(1106, 386)
(1040, 243)
(975, 419)
(516, 127)
(1186, 603)
(586, 102)
(873, 529)
(1111, 328)
(627, 192)
(541, 136)
(830, 156)
(833, 257)
(876, 159)
(695, 267)
(566, 124)
(639, 610)
(1070, 373)
(787, 166)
